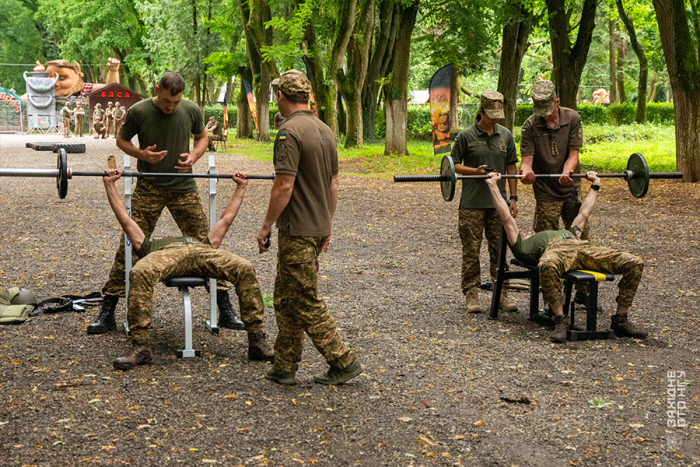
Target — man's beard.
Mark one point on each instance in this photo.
(76, 89)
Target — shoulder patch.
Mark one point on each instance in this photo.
(283, 136)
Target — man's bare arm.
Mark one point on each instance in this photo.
(218, 232)
(586, 209)
(187, 160)
(148, 155)
(509, 224)
(129, 226)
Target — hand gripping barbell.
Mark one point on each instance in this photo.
(63, 173)
(637, 176)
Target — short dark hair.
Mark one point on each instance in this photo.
(172, 82)
(296, 99)
(279, 118)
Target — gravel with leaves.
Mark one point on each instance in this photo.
(440, 387)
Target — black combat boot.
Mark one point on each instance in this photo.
(227, 317)
(259, 348)
(625, 328)
(560, 328)
(140, 355)
(335, 376)
(105, 321)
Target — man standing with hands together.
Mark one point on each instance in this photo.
(302, 202)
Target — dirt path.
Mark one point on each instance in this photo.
(437, 382)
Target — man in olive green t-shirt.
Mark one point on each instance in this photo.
(302, 202)
(484, 144)
(556, 252)
(163, 125)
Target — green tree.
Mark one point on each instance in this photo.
(20, 42)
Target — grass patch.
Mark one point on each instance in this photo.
(606, 148)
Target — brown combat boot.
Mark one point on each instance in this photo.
(506, 303)
(560, 328)
(259, 349)
(140, 355)
(472, 296)
(625, 328)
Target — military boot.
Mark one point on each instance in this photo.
(259, 349)
(506, 303)
(560, 328)
(227, 317)
(337, 376)
(281, 377)
(625, 328)
(105, 321)
(473, 305)
(140, 355)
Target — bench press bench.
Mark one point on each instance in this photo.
(533, 274)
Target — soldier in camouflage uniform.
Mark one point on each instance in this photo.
(556, 252)
(109, 119)
(98, 121)
(186, 256)
(549, 144)
(79, 119)
(66, 112)
(118, 113)
(303, 200)
(163, 125)
(485, 144)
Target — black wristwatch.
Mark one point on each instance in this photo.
(595, 187)
(514, 198)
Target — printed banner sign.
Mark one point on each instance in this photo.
(439, 90)
(251, 104)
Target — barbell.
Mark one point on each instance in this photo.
(637, 175)
(63, 173)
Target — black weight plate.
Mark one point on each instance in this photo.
(75, 148)
(447, 169)
(62, 179)
(639, 183)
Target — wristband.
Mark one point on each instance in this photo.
(595, 187)
(514, 198)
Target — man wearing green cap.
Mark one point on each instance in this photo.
(118, 114)
(549, 144)
(483, 145)
(302, 203)
(98, 122)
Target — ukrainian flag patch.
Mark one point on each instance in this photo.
(283, 136)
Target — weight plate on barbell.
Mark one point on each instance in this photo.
(447, 169)
(62, 178)
(639, 183)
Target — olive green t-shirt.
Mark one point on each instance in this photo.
(305, 147)
(474, 147)
(531, 250)
(117, 113)
(169, 132)
(97, 115)
(65, 112)
(149, 246)
(550, 148)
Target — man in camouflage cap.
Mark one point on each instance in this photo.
(549, 144)
(79, 114)
(118, 114)
(98, 122)
(484, 144)
(66, 112)
(556, 252)
(109, 119)
(302, 203)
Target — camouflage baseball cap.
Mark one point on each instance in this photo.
(295, 83)
(543, 98)
(492, 102)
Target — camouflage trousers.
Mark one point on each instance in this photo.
(117, 127)
(78, 125)
(547, 214)
(211, 146)
(299, 310)
(66, 127)
(566, 255)
(196, 260)
(472, 225)
(110, 126)
(147, 204)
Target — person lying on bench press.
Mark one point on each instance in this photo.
(184, 256)
(556, 252)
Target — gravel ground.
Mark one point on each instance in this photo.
(440, 387)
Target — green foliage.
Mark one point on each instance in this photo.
(20, 42)
(289, 50)
(599, 403)
(619, 114)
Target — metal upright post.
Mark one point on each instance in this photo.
(127, 242)
(212, 323)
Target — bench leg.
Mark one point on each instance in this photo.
(591, 332)
(212, 322)
(187, 351)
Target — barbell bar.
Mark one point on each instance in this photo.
(63, 173)
(636, 174)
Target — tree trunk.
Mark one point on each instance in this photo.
(395, 92)
(513, 47)
(351, 83)
(197, 83)
(381, 58)
(569, 61)
(622, 96)
(641, 116)
(260, 36)
(653, 88)
(611, 55)
(243, 116)
(683, 69)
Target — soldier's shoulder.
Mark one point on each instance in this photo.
(571, 114)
